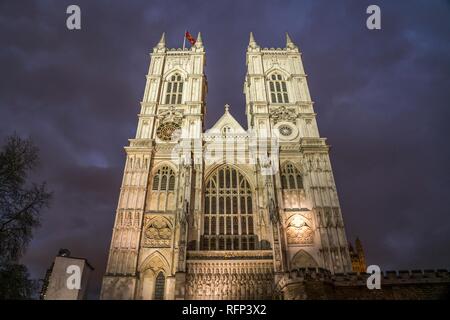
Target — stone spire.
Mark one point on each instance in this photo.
(359, 246)
(289, 43)
(162, 42)
(199, 42)
(252, 43)
(361, 255)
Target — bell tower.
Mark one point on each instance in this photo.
(301, 198)
(161, 187)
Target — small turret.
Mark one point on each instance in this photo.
(162, 42)
(199, 42)
(357, 256)
(252, 43)
(289, 43)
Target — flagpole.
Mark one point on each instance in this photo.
(184, 39)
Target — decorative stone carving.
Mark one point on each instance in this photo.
(171, 115)
(299, 231)
(156, 264)
(174, 63)
(273, 212)
(168, 131)
(158, 233)
(234, 281)
(283, 114)
(140, 143)
(285, 130)
(302, 259)
(169, 128)
(234, 255)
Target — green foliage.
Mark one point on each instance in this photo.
(15, 283)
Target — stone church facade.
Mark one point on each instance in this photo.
(225, 213)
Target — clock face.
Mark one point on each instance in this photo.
(285, 130)
(167, 131)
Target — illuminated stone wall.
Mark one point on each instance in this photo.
(240, 275)
(317, 284)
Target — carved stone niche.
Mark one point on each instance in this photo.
(157, 232)
(299, 230)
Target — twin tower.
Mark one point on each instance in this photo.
(224, 213)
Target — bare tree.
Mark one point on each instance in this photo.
(21, 203)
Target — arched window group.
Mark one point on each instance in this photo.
(228, 214)
(278, 89)
(164, 180)
(162, 187)
(174, 89)
(291, 178)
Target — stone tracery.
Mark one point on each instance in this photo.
(228, 221)
(158, 232)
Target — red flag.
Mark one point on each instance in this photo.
(190, 38)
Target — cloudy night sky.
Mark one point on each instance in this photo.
(382, 99)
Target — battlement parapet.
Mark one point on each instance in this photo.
(357, 278)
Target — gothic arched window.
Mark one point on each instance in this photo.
(162, 186)
(159, 286)
(174, 89)
(164, 180)
(228, 220)
(291, 178)
(278, 89)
